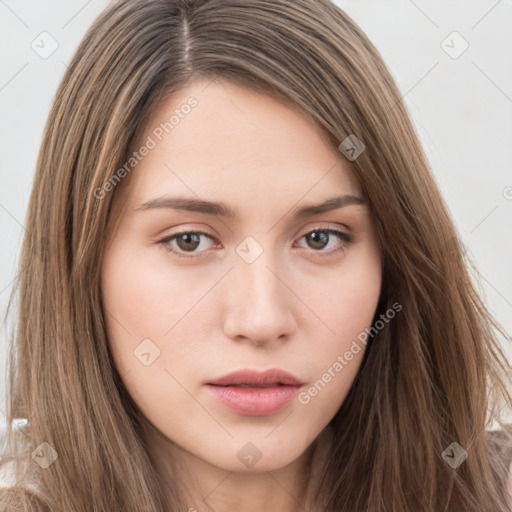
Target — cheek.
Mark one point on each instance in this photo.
(346, 300)
(140, 307)
(150, 308)
(134, 307)
(142, 295)
(347, 308)
(335, 360)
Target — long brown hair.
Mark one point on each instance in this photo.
(434, 376)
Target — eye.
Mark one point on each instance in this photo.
(187, 241)
(320, 238)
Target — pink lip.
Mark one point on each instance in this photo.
(253, 393)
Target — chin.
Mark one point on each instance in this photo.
(257, 455)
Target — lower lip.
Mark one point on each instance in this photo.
(254, 401)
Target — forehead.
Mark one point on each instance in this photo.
(226, 142)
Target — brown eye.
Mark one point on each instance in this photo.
(186, 242)
(319, 239)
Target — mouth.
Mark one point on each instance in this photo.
(252, 393)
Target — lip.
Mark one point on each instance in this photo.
(250, 377)
(255, 393)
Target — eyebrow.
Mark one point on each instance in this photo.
(223, 210)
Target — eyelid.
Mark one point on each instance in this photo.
(323, 226)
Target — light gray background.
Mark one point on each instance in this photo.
(461, 107)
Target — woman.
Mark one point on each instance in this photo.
(241, 289)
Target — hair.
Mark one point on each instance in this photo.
(433, 376)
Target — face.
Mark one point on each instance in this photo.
(191, 294)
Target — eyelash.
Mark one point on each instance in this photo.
(342, 235)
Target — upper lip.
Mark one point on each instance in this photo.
(257, 378)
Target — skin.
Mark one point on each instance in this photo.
(295, 307)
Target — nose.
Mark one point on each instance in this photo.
(258, 303)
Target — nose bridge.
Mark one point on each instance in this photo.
(259, 302)
(260, 284)
(255, 266)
